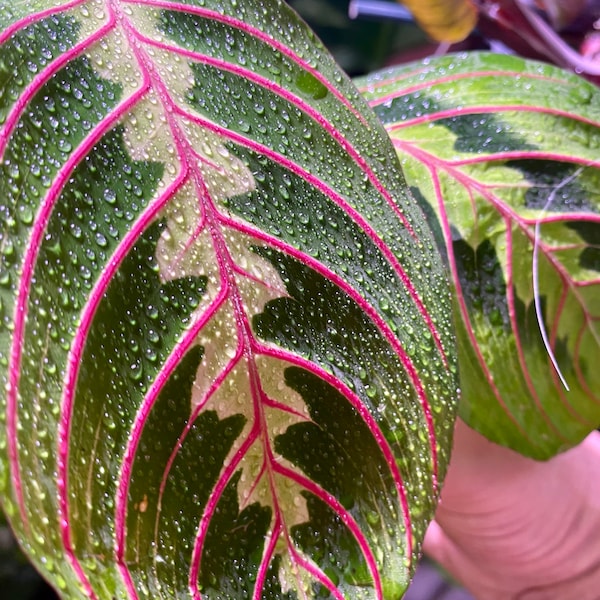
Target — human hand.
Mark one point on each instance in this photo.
(509, 527)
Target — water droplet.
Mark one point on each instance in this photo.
(310, 86)
(65, 146)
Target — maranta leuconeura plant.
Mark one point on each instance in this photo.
(228, 323)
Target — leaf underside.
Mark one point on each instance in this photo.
(226, 339)
(505, 151)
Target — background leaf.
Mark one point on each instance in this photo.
(444, 20)
(505, 151)
(226, 339)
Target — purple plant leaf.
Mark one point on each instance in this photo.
(505, 152)
(226, 338)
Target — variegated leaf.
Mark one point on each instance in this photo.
(225, 339)
(505, 151)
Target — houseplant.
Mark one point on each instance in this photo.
(227, 341)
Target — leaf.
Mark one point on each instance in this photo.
(226, 339)
(444, 20)
(505, 152)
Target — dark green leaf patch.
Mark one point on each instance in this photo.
(338, 451)
(162, 524)
(28, 52)
(320, 322)
(234, 547)
(482, 282)
(590, 232)
(136, 326)
(40, 145)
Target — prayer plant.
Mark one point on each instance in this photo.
(233, 332)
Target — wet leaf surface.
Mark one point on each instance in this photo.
(226, 335)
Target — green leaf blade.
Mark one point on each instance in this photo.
(209, 261)
(505, 152)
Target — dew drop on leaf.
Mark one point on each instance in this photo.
(310, 86)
